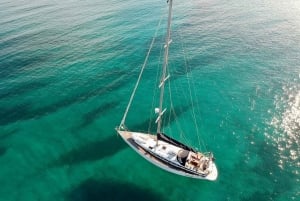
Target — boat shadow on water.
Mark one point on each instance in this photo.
(110, 190)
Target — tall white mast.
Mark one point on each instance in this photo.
(164, 70)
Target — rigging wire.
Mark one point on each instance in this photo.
(192, 93)
(155, 83)
(122, 124)
(173, 112)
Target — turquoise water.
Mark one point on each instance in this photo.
(67, 71)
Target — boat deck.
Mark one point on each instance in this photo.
(127, 136)
(161, 161)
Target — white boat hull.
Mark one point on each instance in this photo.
(163, 155)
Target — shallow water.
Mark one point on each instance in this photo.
(67, 71)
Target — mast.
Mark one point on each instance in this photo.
(164, 70)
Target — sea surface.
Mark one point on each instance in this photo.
(67, 70)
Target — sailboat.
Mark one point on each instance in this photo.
(162, 150)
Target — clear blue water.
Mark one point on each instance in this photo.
(66, 72)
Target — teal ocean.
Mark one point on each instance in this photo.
(67, 69)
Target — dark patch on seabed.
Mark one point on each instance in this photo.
(91, 116)
(259, 196)
(2, 151)
(6, 134)
(24, 111)
(23, 89)
(191, 65)
(106, 147)
(103, 148)
(110, 190)
(18, 112)
(12, 65)
(281, 179)
(92, 151)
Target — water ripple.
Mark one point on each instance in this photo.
(286, 123)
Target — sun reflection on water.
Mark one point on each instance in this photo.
(286, 126)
